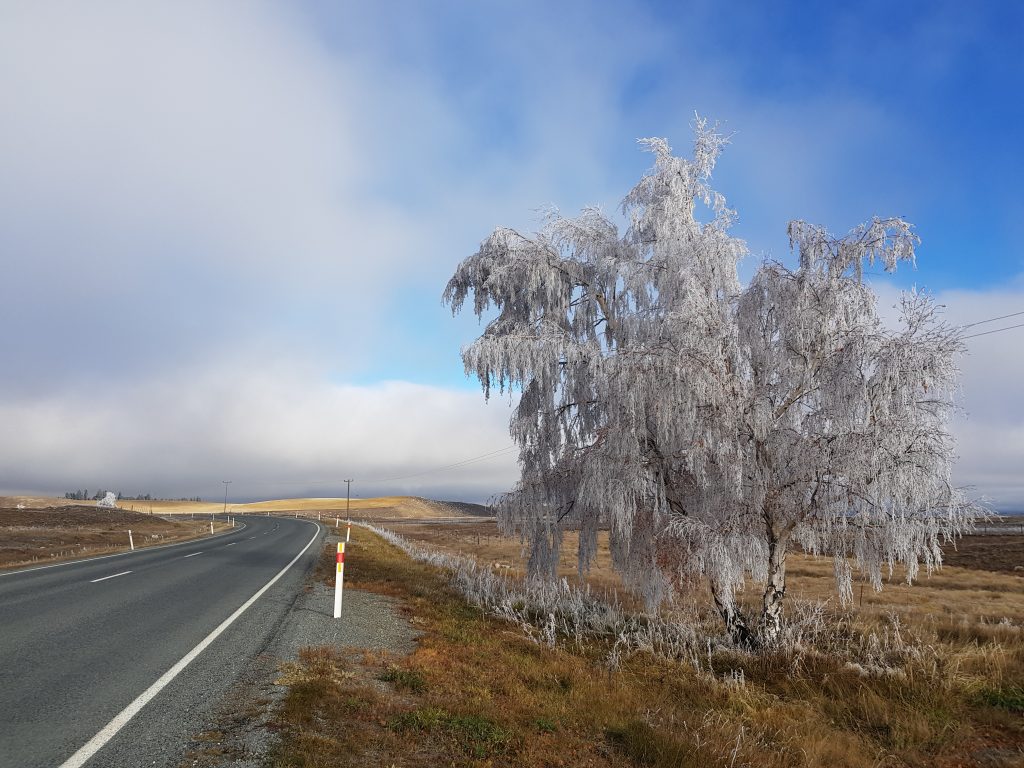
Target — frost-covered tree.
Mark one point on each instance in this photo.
(708, 425)
(109, 500)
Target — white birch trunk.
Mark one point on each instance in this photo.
(775, 589)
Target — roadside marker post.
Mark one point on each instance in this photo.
(131, 542)
(348, 531)
(211, 527)
(337, 522)
(339, 579)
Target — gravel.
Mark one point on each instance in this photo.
(244, 735)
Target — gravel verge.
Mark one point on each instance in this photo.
(242, 732)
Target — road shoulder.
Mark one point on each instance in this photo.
(242, 728)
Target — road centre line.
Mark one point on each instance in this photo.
(96, 743)
(114, 576)
(231, 544)
(193, 554)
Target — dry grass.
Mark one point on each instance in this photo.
(158, 507)
(369, 509)
(384, 507)
(478, 693)
(958, 594)
(33, 536)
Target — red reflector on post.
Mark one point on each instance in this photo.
(338, 584)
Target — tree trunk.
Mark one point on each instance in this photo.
(735, 622)
(775, 589)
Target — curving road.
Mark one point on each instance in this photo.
(83, 641)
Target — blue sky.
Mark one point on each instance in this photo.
(225, 227)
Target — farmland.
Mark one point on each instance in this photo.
(44, 535)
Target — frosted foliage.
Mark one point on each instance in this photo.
(109, 501)
(706, 424)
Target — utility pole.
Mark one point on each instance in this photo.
(348, 499)
(226, 484)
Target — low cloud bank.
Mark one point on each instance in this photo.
(276, 432)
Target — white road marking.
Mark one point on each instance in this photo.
(193, 554)
(96, 743)
(251, 538)
(113, 576)
(231, 544)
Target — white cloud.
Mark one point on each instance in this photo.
(275, 431)
(990, 431)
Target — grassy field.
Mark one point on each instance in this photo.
(367, 509)
(477, 692)
(33, 536)
(384, 507)
(979, 584)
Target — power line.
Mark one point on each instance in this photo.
(491, 454)
(993, 319)
(997, 330)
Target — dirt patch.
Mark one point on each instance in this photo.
(32, 536)
(1002, 552)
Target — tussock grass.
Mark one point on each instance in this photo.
(852, 693)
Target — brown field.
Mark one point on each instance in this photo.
(43, 535)
(384, 507)
(978, 583)
(159, 507)
(53, 529)
(478, 692)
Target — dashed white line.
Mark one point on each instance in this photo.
(112, 576)
(110, 729)
(231, 544)
(251, 538)
(194, 554)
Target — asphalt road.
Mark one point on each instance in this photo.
(80, 642)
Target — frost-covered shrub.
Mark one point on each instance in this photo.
(551, 610)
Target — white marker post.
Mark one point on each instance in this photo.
(337, 522)
(348, 531)
(211, 527)
(339, 580)
(318, 515)
(131, 542)
(232, 522)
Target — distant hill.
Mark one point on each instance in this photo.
(468, 508)
(383, 507)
